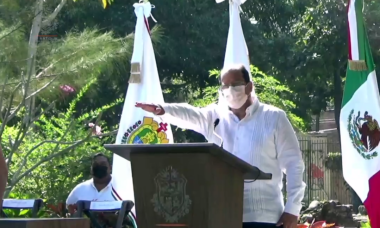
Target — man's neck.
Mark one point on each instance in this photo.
(242, 112)
(101, 183)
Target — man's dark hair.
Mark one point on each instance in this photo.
(245, 74)
(100, 155)
(237, 68)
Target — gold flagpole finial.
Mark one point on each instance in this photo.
(357, 65)
(135, 73)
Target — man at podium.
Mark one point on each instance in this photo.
(257, 133)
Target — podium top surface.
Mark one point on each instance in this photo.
(251, 172)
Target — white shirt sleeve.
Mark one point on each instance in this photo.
(189, 117)
(72, 198)
(290, 160)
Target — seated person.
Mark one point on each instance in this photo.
(99, 188)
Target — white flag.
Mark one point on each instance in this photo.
(236, 50)
(136, 125)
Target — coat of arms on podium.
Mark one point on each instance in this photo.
(170, 200)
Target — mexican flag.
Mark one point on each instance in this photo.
(359, 127)
(137, 126)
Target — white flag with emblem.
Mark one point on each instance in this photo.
(136, 125)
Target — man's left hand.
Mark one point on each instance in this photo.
(287, 220)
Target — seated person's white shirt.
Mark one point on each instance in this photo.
(88, 191)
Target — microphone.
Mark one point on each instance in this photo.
(219, 140)
(216, 123)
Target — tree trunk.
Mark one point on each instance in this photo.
(317, 121)
(7, 192)
(33, 38)
(38, 23)
(32, 50)
(337, 99)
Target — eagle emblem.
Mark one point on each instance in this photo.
(364, 132)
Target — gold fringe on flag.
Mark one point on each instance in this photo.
(135, 73)
(357, 65)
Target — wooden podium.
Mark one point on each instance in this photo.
(187, 185)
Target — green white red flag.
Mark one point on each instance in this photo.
(359, 128)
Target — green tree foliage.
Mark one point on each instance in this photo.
(322, 36)
(195, 35)
(310, 35)
(314, 54)
(45, 142)
(73, 60)
(51, 159)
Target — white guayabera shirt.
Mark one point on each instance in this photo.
(88, 191)
(265, 139)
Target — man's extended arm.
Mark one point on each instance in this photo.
(189, 117)
(3, 175)
(290, 160)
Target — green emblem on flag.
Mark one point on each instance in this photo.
(364, 133)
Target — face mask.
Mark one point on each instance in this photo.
(235, 96)
(99, 171)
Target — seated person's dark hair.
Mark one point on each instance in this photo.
(100, 155)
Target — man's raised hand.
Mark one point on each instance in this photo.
(152, 108)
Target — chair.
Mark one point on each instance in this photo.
(120, 207)
(34, 204)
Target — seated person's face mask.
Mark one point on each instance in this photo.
(235, 96)
(99, 171)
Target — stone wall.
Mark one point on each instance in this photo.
(327, 128)
(326, 121)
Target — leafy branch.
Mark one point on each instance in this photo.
(63, 146)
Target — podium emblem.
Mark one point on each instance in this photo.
(170, 200)
(147, 131)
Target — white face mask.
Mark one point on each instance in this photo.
(235, 96)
